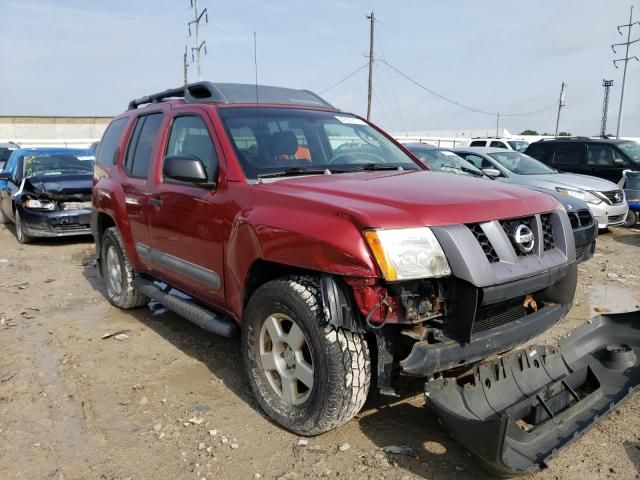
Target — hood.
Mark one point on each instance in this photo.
(571, 204)
(411, 198)
(568, 180)
(60, 187)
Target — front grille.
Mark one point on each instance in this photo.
(70, 228)
(614, 197)
(491, 316)
(547, 232)
(484, 242)
(510, 226)
(616, 218)
(581, 219)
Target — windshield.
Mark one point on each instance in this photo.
(632, 149)
(56, 164)
(519, 146)
(279, 140)
(521, 164)
(444, 161)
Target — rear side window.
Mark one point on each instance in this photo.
(539, 151)
(110, 142)
(498, 144)
(601, 155)
(141, 145)
(569, 154)
(190, 136)
(478, 143)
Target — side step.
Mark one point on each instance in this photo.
(519, 411)
(202, 317)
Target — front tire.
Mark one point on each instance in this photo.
(308, 377)
(117, 272)
(20, 230)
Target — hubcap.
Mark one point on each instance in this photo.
(113, 271)
(286, 358)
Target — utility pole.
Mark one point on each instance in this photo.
(185, 66)
(607, 84)
(626, 59)
(199, 45)
(560, 105)
(372, 18)
(498, 125)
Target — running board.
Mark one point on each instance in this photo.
(202, 317)
(519, 411)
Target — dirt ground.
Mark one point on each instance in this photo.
(169, 401)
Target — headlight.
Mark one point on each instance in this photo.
(580, 194)
(40, 204)
(407, 253)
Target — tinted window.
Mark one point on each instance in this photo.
(539, 151)
(190, 136)
(498, 144)
(110, 141)
(5, 153)
(478, 143)
(601, 155)
(141, 145)
(569, 154)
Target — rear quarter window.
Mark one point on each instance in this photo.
(478, 143)
(568, 154)
(109, 146)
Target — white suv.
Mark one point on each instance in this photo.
(495, 142)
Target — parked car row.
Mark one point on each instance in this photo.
(335, 252)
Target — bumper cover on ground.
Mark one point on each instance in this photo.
(521, 409)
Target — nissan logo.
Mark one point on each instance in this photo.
(523, 236)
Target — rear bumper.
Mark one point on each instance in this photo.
(519, 411)
(63, 223)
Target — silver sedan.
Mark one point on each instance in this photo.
(605, 199)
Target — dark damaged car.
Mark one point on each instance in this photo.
(46, 192)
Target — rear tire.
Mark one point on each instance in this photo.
(632, 219)
(308, 377)
(117, 272)
(20, 230)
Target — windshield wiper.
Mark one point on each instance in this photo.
(293, 171)
(380, 166)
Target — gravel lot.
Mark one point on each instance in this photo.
(166, 400)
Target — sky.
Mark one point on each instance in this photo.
(91, 57)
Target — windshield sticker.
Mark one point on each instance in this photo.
(349, 120)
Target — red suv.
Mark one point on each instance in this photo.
(330, 247)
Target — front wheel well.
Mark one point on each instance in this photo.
(263, 271)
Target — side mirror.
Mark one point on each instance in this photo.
(492, 172)
(620, 162)
(184, 168)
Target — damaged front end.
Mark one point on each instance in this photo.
(517, 412)
(55, 208)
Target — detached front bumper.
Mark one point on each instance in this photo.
(518, 412)
(61, 223)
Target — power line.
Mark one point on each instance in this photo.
(361, 67)
(461, 105)
(626, 59)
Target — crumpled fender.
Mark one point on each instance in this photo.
(522, 409)
(318, 242)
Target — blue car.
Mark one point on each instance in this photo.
(631, 184)
(46, 192)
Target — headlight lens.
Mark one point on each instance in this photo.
(408, 253)
(40, 204)
(580, 194)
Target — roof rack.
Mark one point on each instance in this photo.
(564, 138)
(228, 93)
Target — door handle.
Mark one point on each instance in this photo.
(156, 202)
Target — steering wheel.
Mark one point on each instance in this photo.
(351, 158)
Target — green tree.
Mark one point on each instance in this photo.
(564, 134)
(529, 132)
